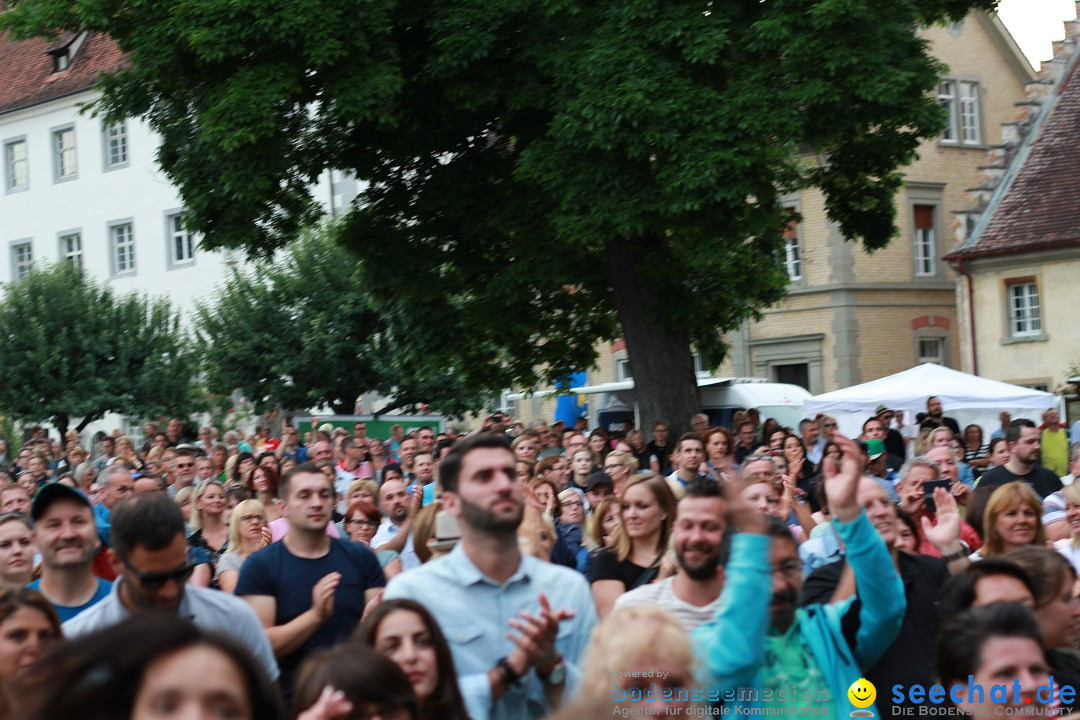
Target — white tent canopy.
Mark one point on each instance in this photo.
(967, 398)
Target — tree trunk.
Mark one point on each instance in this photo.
(61, 422)
(660, 359)
(87, 419)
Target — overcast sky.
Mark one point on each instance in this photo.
(1035, 23)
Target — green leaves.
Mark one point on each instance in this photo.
(73, 348)
(506, 147)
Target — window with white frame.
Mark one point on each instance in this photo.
(64, 164)
(181, 244)
(1025, 317)
(17, 169)
(22, 259)
(71, 248)
(122, 240)
(960, 98)
(116, 150)
(925, 243)
(792, 251)
(622, 370)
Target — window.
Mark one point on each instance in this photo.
(116, 146)
(930, 350)
(1025, 319)
(792, 254)
(960, 98)
(22, 258)
(793, 374)
(123, 248)
(925, 246)
(71, 248)
(64, 165)
(623, 370)
(16, 166)
(181, 246)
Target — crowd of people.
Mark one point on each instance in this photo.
(544, 570)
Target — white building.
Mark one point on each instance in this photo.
(74, 187)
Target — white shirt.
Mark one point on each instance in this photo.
(662, 594)
(385, 534)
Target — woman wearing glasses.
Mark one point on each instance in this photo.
(248, 531)
(361, 522)
(573, 529)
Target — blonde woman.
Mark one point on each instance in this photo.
(620, 467)
(1012, 520)
(207, 524)
(652, 667)
(1070, 546)
(248, 532)
(647, 513)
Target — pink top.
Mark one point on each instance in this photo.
(280, 528)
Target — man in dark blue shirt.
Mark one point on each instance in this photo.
(309, 590)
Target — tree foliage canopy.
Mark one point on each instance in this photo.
(299, 332)
(542, 173)
(71, 348)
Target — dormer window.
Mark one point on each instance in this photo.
(65, 49)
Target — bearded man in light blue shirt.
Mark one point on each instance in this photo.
(487, 588)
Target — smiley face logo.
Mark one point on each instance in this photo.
(862, 693)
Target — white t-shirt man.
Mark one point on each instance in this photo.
(662, 594)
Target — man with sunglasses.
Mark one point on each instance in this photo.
(150, 554)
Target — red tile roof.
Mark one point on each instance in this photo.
(26, 69)
(1039, 210)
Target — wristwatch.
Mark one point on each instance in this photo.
(556, 675)
(510, 677)
(961, 553)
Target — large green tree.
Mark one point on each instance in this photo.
(542, 173)
(71, 349)
(299, 332)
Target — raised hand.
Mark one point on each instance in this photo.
(946, 533)
(842, 483)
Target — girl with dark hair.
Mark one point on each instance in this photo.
(28, 626)
(406, 632)
(242, 469)
(263, 485)
(130, 670)
(349, 681)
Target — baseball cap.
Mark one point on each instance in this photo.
(874, 449)
(599, 477)
(52, 492)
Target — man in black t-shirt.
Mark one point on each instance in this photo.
(934, 417)
(308, 590)
(1024, 442)
(659, 447)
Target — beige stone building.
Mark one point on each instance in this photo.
(849, 316)
(1018, 291)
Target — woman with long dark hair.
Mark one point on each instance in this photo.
(406, 632)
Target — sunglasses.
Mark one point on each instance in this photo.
(368, 523)
(155, 581)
